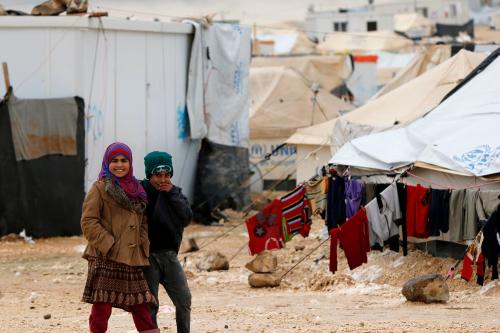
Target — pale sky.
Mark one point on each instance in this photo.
(247, 11)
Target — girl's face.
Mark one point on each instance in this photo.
(119, 166)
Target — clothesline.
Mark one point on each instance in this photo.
(452, 187)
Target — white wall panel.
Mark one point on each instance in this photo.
(138, 90)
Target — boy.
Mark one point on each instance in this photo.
(168, 212)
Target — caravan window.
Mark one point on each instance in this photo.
(424, 11)
(371, 26)
(339, 26)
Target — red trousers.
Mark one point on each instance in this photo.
(100, 313)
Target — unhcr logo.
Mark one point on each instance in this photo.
(260, 150)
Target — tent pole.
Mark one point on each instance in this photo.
(6, 77)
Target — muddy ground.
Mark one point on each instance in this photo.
(41, 284)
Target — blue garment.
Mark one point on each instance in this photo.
(335, 207)
(354, 190)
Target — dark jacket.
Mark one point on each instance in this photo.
(168, 213)
(490, 246)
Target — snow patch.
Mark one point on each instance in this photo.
(368, 274)
(489, 286)
(398, 262)
(79, 248)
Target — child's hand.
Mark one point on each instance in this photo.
(166, 187)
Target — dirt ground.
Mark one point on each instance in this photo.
(41, 284)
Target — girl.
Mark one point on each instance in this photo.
(114, 224)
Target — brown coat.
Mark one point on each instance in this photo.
(113, 231)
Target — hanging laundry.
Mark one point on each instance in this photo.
(353, 236)
(335, 207)
(317, 193)
(472, 256)
(456, 216)
(383, 212)
(417, 210)
(439, 212)
(486, 203)
(372, 190)
(402, 222)
(354, 192)
(296, 212)
(470, 225)
(491, 242)
(265, 229)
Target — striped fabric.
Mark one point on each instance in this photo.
(296, 213)
(317, 193)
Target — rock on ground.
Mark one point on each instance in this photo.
(264, 262)
(213, 261)
(261, 280)
(429, 288)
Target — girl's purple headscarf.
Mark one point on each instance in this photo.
(128, 183)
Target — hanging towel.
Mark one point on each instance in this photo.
(265, 229)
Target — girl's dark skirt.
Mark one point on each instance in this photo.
(121, 285)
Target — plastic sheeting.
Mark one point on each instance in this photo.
(43, 196)
(43, 126)
(221, 177)
(217, 96)
(459, 135)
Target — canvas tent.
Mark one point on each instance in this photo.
(460, 135)
(398, 107)
(413, 25)
(282, 41)
(424, 60)
(282, 101)
(364, 42)
(328, 71)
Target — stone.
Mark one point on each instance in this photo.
(47, 316)
(261, 280)
(264, 262)
(429, 288)
(189, 245)
(299, 247)
(11, 238)
(213, 261)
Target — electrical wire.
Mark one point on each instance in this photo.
(179, 18)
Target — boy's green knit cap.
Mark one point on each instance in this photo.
(158, 161)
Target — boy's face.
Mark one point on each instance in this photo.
(161, 181)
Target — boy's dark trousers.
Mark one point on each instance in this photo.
(165, 269)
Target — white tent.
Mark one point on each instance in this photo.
(398, 107)
(460, 135)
